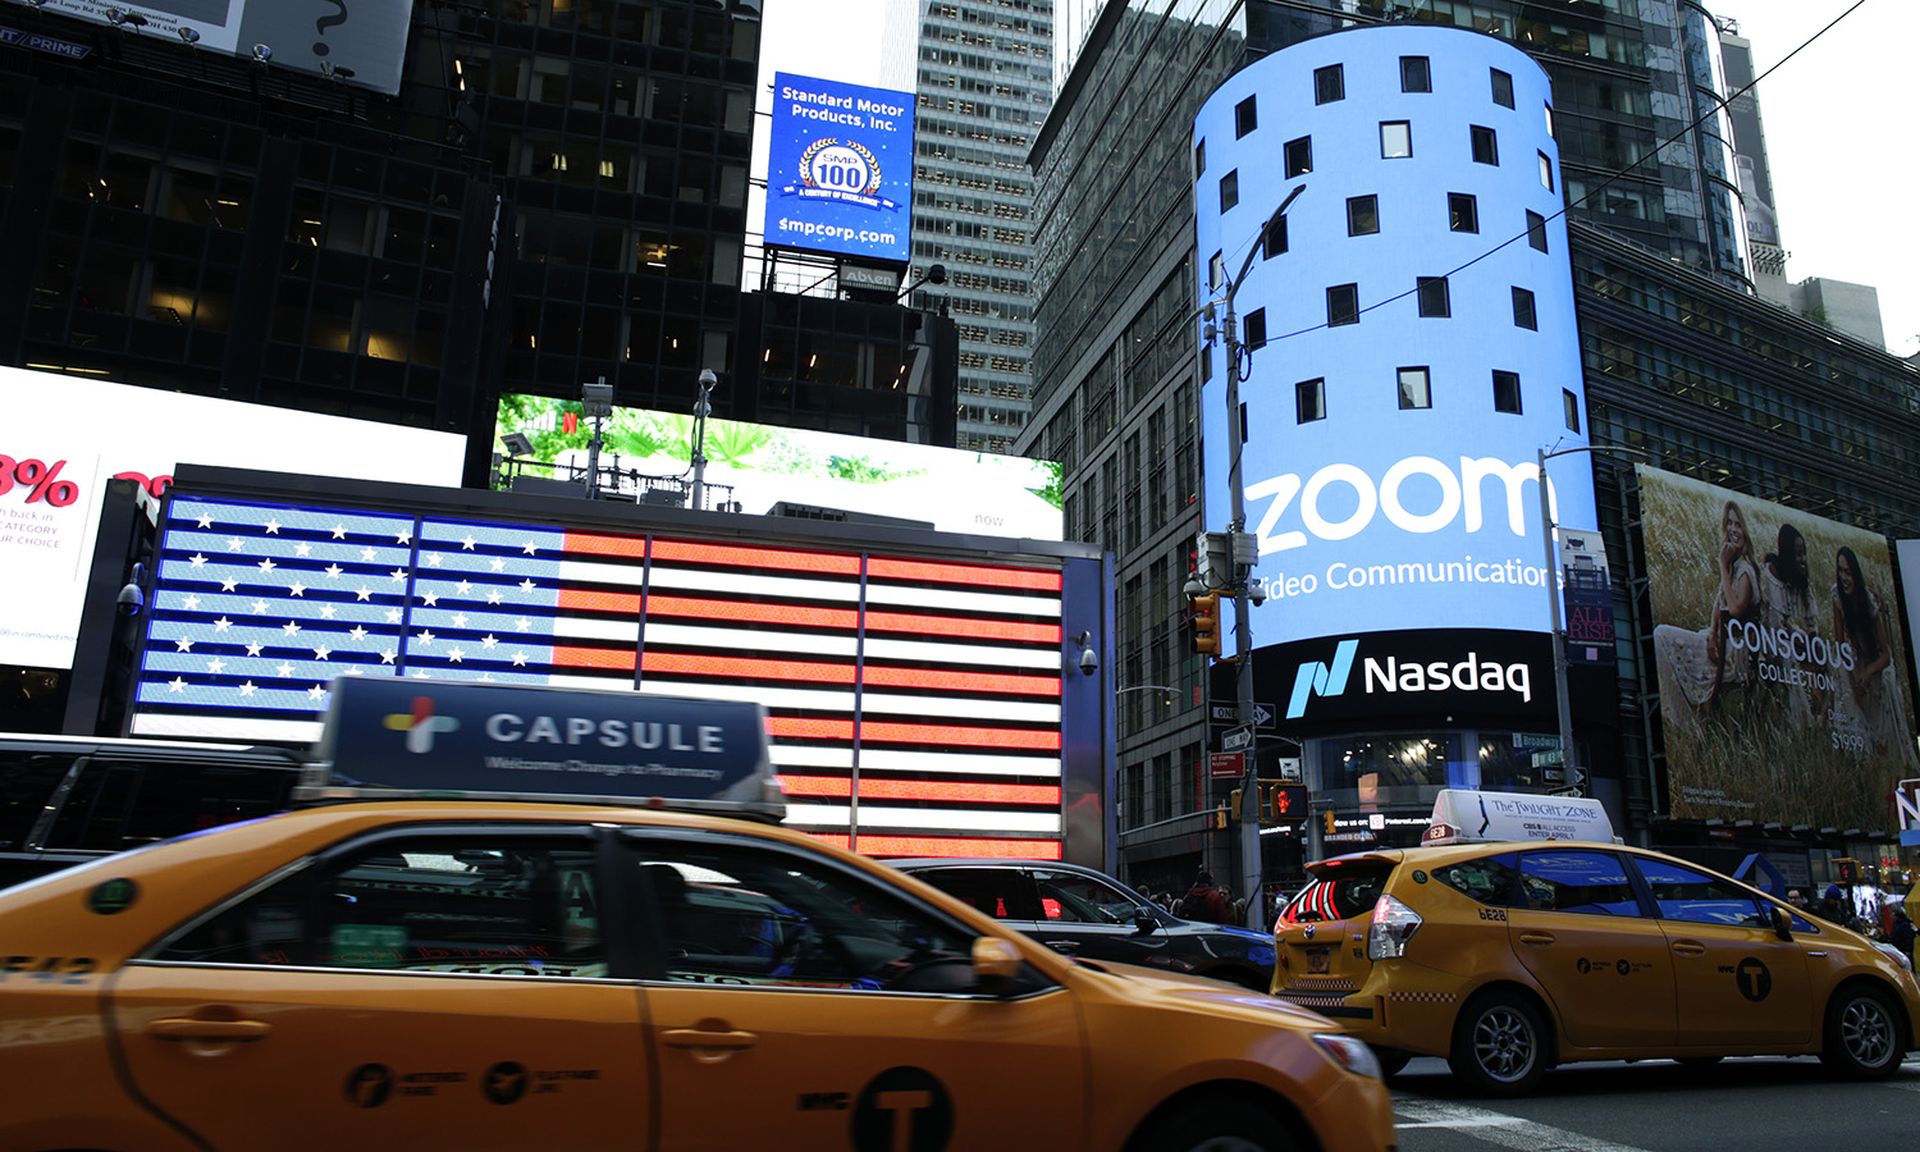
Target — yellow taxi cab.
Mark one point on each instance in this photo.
(1521, 934)
(624, 963)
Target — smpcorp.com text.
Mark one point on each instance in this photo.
(1341, 576)
(810, 228)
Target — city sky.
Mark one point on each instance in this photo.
(1839, 176)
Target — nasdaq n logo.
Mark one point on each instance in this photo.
(420, 725)
(1317, 679)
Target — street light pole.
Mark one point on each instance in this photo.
(702, 408)
(1569, 755)
(1252, 871)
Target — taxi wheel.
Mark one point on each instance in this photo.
(1216, 1123)
(1864, 1040)
(1500, 1044)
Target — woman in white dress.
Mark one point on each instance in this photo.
(1869, 716)
(1696, 667)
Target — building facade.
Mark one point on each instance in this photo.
(1118, 369)
(982, 87)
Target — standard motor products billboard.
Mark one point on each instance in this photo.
(945, 488)
(64, 437)
(359, 42)
(840, 169)
(1783, 688)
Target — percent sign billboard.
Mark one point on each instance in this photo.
(63, 437)
(840, 169)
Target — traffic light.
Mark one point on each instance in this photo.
(1326, 822)
(1205, 617)
(1233, 804)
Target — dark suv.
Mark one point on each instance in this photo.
(66, 800)
(1089, 914)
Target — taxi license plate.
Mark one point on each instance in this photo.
(1316, 960)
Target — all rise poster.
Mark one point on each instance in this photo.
(1783, 692)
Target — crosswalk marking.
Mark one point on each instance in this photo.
(1497, 1128)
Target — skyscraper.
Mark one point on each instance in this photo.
(983, 87)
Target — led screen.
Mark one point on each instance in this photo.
(840, 169)
(362, 42)
(929, 689)
(64, 437)
(760, 465)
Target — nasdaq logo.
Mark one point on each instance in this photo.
(1318, 679)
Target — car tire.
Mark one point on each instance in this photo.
(1864, 1039)
(1393, 1061)
(1501, 1046)
(1216, 1123)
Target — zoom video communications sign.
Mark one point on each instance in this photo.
(840, 169)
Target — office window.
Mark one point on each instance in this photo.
(1256, 329)
(1329, 84)
(1216, 271)
(1463, 212)
(1486, 148)
(1299, 156)
(1502, 88)
(1546, 172)
(1415, 389)
(1434, 299)
(1415, 75)
(1363, 215)
(1506, 392)
(1396, 139)
(1199, 159)
(1229, 190)
(1310, 401)
(1547, 109)
(1343, 305)
(1246, 117)
(1537, 231)
(1523, 316)
(1570, 405)
(1276, 238)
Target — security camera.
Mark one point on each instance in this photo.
(131, 600)
(1195, 587)
(1257, 594)
(1089, 662)
(707, 378)
(262, 54)
(188, 35)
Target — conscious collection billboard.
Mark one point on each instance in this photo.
(1778, 642)
(64, 437)
(840, 169)
(945, 488)
(364, 43)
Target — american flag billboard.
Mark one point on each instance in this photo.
(915, 701)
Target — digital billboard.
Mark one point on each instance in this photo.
(762, 465)
(1407, 338)
(1783, 687)
(840, 169)
(917, 704)
(362, 42)
(65, 436)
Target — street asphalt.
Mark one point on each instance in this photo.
(1751, 1105)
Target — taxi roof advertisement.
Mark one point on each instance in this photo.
(519, 740)
(1783, 688)
(840, 169)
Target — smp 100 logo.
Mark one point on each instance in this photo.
(420, 725)
(1394, 676)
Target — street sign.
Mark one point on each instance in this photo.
(1263, 714)
(1910, 838)
(1226, 765)
(1906, 802)
(1236, 740)
(1289, 768)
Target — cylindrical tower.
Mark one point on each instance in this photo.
(1411, 330)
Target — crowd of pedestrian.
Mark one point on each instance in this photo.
(1870, 911)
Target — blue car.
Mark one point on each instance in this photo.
(1088, 914)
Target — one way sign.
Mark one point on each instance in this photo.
(1263, 714)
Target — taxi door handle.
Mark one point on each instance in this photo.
(701, 1038)
(1536, 937)
(1689, 948)
(1067, 946)
(189, 1028)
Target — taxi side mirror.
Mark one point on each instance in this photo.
(996, 964)
(1781, 923)
(1146, 922)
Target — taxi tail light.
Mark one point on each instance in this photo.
(1393, 925)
